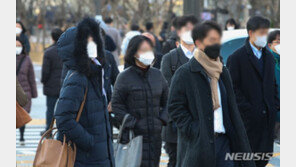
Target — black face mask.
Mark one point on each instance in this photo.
(212, 51)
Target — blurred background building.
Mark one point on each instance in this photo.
(41, 16)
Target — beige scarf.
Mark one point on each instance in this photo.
(213, 69)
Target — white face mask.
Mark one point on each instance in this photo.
(146, 58)
(92, 49)
(261, 41)
(230, 28)
(186, 37)
(19, 50)
(18, 30)
(277, 48)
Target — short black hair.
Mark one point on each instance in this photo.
(200, 31)
(175, 22)
(132, 48)
(272, 36)
(23, 27)
(108, 20)
(192, 19)
(135, 27)
(183, 20)
(257, 22)
(23, 45)
(232, 22)
(56, 33)
(149, 26)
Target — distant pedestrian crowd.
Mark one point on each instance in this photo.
(174, 89)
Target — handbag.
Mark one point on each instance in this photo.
(22, 117)
(54, 153)
(130, 154)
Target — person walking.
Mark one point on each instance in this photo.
(83, 52)
(170, 63)
(158, 55)
(141, 91)
(202, 105)
(231, 24)
(273, 41)
(150, 28)
(115, 35)
(21, 32)
(252, 69)
(171, 41)
(135, 30)
(26, 77)
(51, 76)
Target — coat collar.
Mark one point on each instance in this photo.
(140, 71)
(252, 58)
(183, 58)
(195, 66)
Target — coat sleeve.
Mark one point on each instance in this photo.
(27, 44)
(277, 100)
(115, 70)
(118, 102)
(31, 78)
(178, 106)
(118, 41)
(46, 70)
(67, 107)
(165, 68)
(21, 96)
(233, 66)
(163, 102)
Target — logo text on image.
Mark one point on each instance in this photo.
(248, 156)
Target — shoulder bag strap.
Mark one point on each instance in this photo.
(82, 105)
(122, 127)
(79, 112)
(19, 65)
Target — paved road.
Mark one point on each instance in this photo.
(25, 154)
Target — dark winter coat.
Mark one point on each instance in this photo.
(25, 39)
(170, 63)
(51, 71)
(110, 68)
(26, 77)
(158, 59)
(144, 96)
(190, 107)
(256, 95)
(170, 43)
(92, 134)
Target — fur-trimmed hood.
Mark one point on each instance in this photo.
(73, 43)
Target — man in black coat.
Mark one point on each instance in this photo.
(252, 71)
(170, 63)
(202, 104)
(51, 75)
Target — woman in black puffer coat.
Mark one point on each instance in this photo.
(92, 134)
(141, 91)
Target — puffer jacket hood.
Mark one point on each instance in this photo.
(66, 47)
(72, 46)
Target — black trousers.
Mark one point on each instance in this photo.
(171, 150)
(22, 131)
(50, 103)
(222, 147)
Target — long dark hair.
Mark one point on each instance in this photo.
(24, 30)
(23, 45)
(88, 27)
(132, 48)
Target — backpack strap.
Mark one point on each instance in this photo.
(174, 60)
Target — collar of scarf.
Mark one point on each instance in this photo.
(213, 68)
